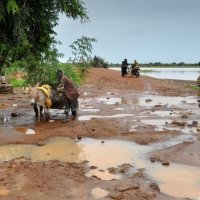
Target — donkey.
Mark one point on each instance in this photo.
(40, 99)
(43, 98)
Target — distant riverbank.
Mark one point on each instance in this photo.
(190, 74)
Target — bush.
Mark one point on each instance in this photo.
(46, 74)
(99, 62)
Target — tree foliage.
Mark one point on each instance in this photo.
(27, 28)
(82, 49)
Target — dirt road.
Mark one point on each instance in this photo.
(157, 118)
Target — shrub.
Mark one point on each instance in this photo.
(99, 62)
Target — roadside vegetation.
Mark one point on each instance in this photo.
(99, 62)
(193, 87)
(28, 43)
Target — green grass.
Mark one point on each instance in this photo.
(193, 87)
(147, 70)
(17, 82)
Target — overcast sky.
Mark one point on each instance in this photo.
(146, 30)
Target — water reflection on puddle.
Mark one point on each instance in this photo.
(164, 124)
(152, 100)
(136, 102)
(99, 193)
(119, 108)
(176, 180)
(156, 122)
(57, 111)
(67, 150)
(90, 110)
(124, 152)
(109, 101)
(57, 148)
(89, 117)
(164, 113)
(146, 100)
(159, 124)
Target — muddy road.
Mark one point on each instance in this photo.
(134, 138)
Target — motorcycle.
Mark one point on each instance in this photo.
(136, 72)
(133, 72)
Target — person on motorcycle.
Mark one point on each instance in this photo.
(135, 69)
(134, 66)
(124, 67)
(70, 94)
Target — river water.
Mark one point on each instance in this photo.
(190, 74)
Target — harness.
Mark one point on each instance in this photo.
(46, 89)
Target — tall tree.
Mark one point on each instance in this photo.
(27, 27)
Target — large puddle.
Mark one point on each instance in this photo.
(145, 100)
(175, 180)
(158, 106)
(89, 117)
(158, 111)
(152, 100)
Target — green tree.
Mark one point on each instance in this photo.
(27, 28)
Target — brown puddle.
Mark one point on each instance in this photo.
(176, 180)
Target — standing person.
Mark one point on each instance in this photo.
(124, 67)
(70, 95)
(96, 61)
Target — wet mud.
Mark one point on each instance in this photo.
(132, 139)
